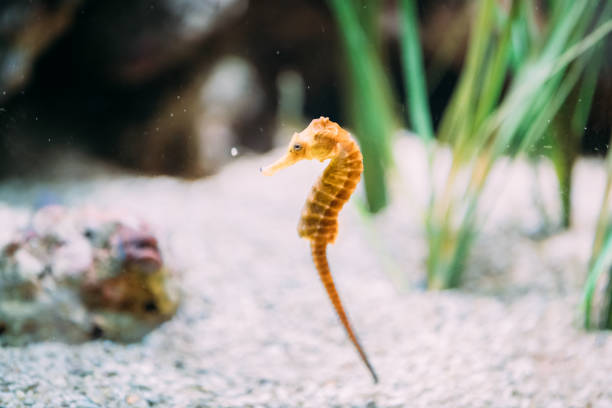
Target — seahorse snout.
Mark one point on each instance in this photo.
(281, 163)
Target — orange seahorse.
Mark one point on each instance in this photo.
(322, 140)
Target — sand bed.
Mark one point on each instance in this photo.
(256, 329)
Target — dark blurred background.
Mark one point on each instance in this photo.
(171, 86)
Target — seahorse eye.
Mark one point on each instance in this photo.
(297, 147)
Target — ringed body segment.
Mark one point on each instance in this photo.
(323, 140)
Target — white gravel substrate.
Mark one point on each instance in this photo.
(256, 329)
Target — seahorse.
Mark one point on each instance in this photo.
(323, 140)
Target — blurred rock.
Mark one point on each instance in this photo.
(129, 82)
(26, 30)
(75, 275)
(195, 128)
(135, 42)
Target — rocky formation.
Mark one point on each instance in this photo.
(26, 30)
(73, 275)
(138, 83)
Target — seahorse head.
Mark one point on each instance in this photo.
(319, 141)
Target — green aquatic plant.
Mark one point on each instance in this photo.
(598, 312)
(569, 124)
(525, 89)
(485, 122)
(370, 105)
(414, 73)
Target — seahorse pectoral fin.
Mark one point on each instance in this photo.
(280, 164)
